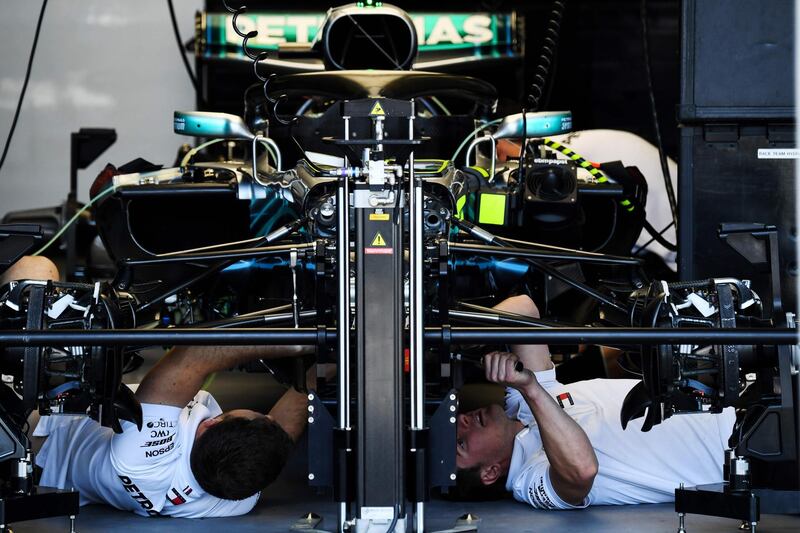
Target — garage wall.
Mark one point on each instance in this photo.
(99, 63)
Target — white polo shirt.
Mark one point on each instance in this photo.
(634, 467)
(147, 472)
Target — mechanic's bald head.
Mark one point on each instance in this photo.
(30, 267)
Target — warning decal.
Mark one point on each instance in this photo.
(378, 240)
(377, 109)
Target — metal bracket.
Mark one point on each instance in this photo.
(442, 443)
(320, 443)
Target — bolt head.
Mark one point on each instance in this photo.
(310, 419)
(453, 408)
(310, 477)
(452, 477)
(452, 420)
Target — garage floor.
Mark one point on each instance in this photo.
(290, 497)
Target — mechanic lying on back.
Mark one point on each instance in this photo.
(560, 446)
(190, 459)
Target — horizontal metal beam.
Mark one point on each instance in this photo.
(432, 336)
(586, 335)
(167, 337)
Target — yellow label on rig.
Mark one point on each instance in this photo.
(377, 109)
(378, 240)
(379, 216)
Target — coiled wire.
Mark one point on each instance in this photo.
(257, 57)
(547, 55)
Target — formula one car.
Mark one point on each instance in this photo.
(363, 209)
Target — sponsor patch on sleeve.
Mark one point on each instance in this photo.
(564, 397)
(538, 495)
(175, 497)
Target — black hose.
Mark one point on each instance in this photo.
(24, 84)
(178, 39)
(645, 245)
(547, 54)
(658, 237)
(256, 58)
(673, 204)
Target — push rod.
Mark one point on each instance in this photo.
(544, 254)
(490, 318)
(507, 242)
(246, 253)
(264, 319)
(491, 239)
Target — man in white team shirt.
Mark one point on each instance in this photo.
(190, 459)
(560, 446)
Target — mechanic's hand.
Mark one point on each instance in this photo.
(500, 368)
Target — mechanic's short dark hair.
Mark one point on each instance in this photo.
(238, 457)
(469, 486)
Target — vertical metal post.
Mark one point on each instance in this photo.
(417, 376)
(681, 519)
(343, 277)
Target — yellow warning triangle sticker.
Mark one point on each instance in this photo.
(377, 109)
(378, 240)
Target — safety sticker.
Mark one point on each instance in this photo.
(377, 110)
(377, 251)
(378, 240)
(379, 216)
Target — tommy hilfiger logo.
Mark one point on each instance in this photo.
(565, 396)
(178, 499)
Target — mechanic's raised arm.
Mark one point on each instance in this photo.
(573, 463)
(291, 409)
(535, 357)
(177, 377)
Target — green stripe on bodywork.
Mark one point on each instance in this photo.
(483, 172)
(460, 203)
